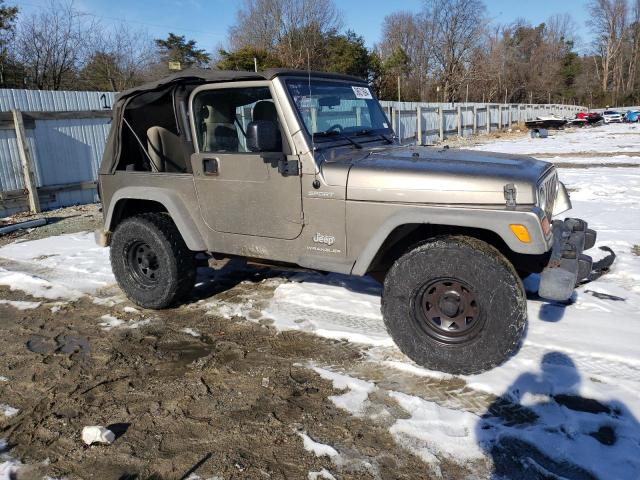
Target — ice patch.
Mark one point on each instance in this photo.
(355, 400)
(318, 449)
(130, 310)
(21, 305)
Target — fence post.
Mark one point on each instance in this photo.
(419, 124)
(475, 120)
(27, 163)
(488, 119)
(459, 121)
(393, 123)
(510, 116)
(441, 122)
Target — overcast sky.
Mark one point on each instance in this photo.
(207, 21)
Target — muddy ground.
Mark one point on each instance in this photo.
(80, 218)
(227, 404)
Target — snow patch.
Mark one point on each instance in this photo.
(191, 331)
(434, 430)
(64, 266)
(21, 305)
(8, 410)
(318, 449)
(9, 469)
(109, 322)
(323, 474)
(355, 400)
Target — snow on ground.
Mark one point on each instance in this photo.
(612, 139)
(62, 267)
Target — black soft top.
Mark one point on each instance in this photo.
(199, 75)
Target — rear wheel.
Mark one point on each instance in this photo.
(455, 304)
(151, 262)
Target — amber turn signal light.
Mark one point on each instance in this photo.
(521, 232)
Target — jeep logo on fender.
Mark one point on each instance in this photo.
(326, 239)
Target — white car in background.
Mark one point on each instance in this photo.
(611, 116)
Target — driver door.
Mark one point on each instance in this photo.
(241, 191)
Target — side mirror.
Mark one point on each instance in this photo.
(263, 136)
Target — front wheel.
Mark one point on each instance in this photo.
(151, 262)
(455, 304)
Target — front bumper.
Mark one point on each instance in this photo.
(567, 264)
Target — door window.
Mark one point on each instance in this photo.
(223, 116)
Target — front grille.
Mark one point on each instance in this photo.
(548, 185)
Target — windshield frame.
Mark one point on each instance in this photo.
(379, 133)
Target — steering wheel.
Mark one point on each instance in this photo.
(335, 126)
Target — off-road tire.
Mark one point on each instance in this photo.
(484, 275)
(176, 266)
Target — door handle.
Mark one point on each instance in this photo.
(210, 166)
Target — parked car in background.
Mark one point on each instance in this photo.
(590, 117)
(611, 116)
(632, 116)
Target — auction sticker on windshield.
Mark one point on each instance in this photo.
(362, 92)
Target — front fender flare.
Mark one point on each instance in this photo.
(171, 201)
(496, 221)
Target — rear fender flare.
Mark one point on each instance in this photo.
(174, 205)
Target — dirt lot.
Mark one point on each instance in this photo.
(229, 403)
(82, 218)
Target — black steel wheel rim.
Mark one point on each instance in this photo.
(447, 309)
(143, 263)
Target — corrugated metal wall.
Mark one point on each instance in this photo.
(50, 101)
(63, 151)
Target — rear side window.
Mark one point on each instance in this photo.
(221, 117)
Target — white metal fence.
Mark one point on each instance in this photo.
(56, 158)
(429, 123)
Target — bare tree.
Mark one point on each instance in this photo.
(292, 29)
(121, 58)
(608, 22)
(406, 51)
(53, 43)
(458, 27)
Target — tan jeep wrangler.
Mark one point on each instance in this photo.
(303, 169)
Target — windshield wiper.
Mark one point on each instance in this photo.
(368, 131)
(336, 133)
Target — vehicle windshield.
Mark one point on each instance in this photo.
(331, 110)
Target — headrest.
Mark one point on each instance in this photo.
(219, 114)
(265, 110)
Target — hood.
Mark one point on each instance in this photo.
(431, 175)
